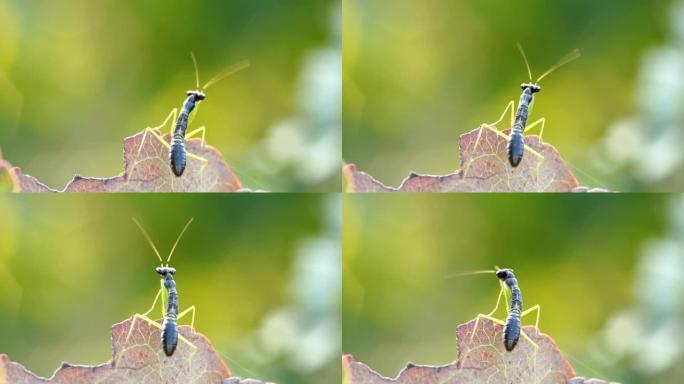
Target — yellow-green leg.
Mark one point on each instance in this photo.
(503, 293)
(172, 116)
(193, 156)
(490, 126)
(138, 316)
(541, 121)
(199, 158)
(529, 310)
(202, 129)
(509, 107)
(505, 290)
(192, 320)
(536, 325)
(154, 303)
(489, 315)
(534, 345)
(483, 316)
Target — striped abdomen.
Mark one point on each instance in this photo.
(177, 155)
(169, 336)
(516, 141)
(511, 332)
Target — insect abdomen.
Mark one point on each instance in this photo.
(177, 156)
(169, 337)
(511, 332)
(516, 146)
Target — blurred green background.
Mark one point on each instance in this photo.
(263, 272)
(77, 77)
(419, 74)
(606, 271)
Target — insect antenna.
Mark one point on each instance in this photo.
(148, 239)
(194, 62)
(527, 64)
(469, 273)
(227, 72)
(178, 239)
(574, 54)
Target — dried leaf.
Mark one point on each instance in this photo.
(481, 360)
(147, 170)
(484, 168)
(138, 360)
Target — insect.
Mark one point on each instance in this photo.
(169, 328)
(516, 139)
(177, 153)
(512, 327)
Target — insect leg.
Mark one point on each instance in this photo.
(533, 152)
(510, 106)
(483, 316)
(498, 300)
(541, 121)
(191, 345)
(172, 117)
(505, 291)
(202, 159)
(489, 316)
(141, 317)
(534, 345)
(156, 298)
(192, 321)
(192, 133)
(529, 310)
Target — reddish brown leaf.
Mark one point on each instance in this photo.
(481, 360)
(484, 168)
(138, 360)
(148, 170)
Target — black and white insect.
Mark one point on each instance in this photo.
(169, 327)
(177, 153)
(516, 140)
(512, 325)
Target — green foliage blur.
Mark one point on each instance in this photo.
(77, 77)
(419, 74)
(71, 266)
(578, 257)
